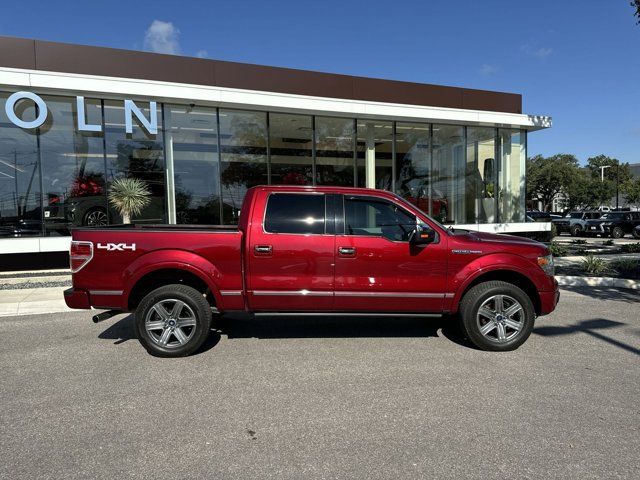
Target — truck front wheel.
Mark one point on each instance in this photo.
(173, 321)
(497, 316)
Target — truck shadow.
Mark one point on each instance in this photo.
(276, 327)
(592, 327)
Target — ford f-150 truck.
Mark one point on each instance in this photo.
(312, 250)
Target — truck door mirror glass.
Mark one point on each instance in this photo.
(422, 235)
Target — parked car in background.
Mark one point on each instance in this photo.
(614, 224)
(575, 223)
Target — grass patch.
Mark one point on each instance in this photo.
(579, 241)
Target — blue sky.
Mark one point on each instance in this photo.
(576, 60)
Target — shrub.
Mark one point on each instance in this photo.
(608, 243)
(579, 241)
(558, 249)
(631, 247)
(594, 265)
(626, 267)
(129, 196)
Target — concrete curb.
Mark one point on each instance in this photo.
(577, 281)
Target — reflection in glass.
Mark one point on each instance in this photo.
(138, 155)
(193, 137)
(448, 172)
(72, 167)
(243, 141)
(290, 138)
(334, 151)
(413, 164)
(20, 211)
(511, 175)
(481, 174)
(375, 139)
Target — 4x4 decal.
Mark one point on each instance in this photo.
(117, 247)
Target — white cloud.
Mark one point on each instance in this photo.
(202, 54)
(487, 69)
(535, 50)
(162, 37)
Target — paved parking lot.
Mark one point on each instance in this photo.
(339, 398)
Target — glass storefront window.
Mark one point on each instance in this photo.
(138, 155)
(375, 138)
(243, 144)
(55, 176)
(481, 191)
(290, 145)
(511, 182)
(20, 207)
(192, 135)
(72, 167)
(449, 174)
(334, 151)
(413, 165)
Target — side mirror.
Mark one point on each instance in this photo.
(422, 236)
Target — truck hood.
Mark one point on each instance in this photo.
(499, 240)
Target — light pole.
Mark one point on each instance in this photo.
(602, 168)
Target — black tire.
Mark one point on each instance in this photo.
(576, 231)
(617, 232)
(636, 233)
(198, 312)
(484, 292)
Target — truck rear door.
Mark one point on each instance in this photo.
(290, 252)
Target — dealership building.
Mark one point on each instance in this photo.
(200, 132)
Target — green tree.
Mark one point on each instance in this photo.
(577, 189)
(547, 177)
(636, 4)
(631, 191)
(614, 173)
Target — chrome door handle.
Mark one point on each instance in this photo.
(347, 251)
(263, 249)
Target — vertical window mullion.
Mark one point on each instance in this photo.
(221, 203)
(393, 158)
(268, 149)
(313, 149)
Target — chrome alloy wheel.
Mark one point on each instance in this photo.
(500, 318)
(96, 218)
(170, 323)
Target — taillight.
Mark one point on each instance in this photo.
(80, 254)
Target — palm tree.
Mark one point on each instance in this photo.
(129, 196)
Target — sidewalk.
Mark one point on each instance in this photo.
(31, 301)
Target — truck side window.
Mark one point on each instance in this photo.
(295, 213)
(379, 218)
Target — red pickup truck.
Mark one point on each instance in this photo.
(312, 250)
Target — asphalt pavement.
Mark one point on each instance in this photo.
(325, 398)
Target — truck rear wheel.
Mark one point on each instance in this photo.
(173, 321)
(497, 316)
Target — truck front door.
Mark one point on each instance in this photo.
(290, 253)
(377, 269)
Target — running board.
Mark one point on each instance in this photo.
(345, 314)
